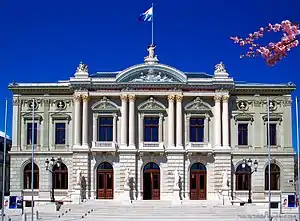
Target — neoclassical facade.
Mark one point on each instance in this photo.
(150, 129)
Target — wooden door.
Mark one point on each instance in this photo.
(105, 184)
(155, 185)
(198, 186)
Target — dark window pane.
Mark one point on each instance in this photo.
(27, 177)
(243, 177)
(31, 129)
(197, 129)
(151, 125)
(242, 134)
(273, 135)
(60, 133)
(105, 129)
(60, 176)
(274, 177)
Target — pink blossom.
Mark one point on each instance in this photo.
(273, 52)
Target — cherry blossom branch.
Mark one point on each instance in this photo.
(273, 52)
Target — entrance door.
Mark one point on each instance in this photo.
(198, 182)
(151, 182)
(105, 181)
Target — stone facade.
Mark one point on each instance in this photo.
(129, 96)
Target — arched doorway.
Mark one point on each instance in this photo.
(105, 181)
(151, 182)
(198, 182)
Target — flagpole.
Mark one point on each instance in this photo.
(269, 158)
(32, 159)
(4, 161)
(298, 154)
(152, 32)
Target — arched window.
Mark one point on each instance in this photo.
(27, 176)
(198, 166)
(242, 177)
(151, 166)
(275, 177)
(60, 176)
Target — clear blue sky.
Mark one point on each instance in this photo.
(45, 40)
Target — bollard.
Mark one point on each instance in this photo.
(24, 217)
(37, 214)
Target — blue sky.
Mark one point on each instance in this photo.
(43, 41)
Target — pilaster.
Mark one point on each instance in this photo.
(132, 121)
(45, 144)
(124, 122)
(179, 121)
(225, 121)
(15, 124)
(85, 109)
(77, 120)
(217, 120)
(171, 125)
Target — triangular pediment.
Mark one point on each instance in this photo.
(151, 105)
(197, 105)
(104, 105)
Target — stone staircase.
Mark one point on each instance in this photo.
(106, 210)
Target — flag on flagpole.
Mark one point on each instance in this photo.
(147, 15)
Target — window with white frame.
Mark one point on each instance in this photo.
(105, 128)
(31, 128)
(60, 128)
(197, 128)
(273, 129)
(243, 124)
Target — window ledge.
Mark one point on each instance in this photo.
(273, 146)
(199, 146)
(29, 146)
(151, 146)
(104, 146)
(243, 146)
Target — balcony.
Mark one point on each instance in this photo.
(104, 146)
(151, 147)
(199, 147)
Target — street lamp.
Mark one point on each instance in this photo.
(52, 162)
(249, 163)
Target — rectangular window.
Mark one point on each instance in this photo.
(60, 133)
(273, 136)
(243, 134)
(151, 129)
(31, 130)
(196, 129)
(105, 129)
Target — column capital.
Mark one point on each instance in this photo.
(171, 97)
(77, 97)
(217, 98)
(225, 97)
(85, 97)
(131, 97)
(179, 98)
(123, 97)
(16, 101)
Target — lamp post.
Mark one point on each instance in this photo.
(249, 163)
(52, 162)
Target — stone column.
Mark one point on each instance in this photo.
(131, 120)
(15, 123)
(85, 110)
(124, 120)
(141, 128)
(187, 128)
(225, 121)
(171, 98)
(95, 129)
(77, 120)
(115, 128)
(160, 128)
(217, 120)
(179, 120)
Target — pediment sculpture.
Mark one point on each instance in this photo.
(152, 76)
(151, 104)
(104, 104)
(197, 104)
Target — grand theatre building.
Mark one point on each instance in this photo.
(153, 131)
